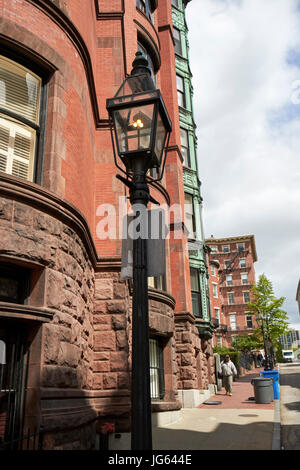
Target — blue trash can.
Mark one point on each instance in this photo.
(275, 375)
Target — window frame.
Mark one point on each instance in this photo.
(196, 294)
(190, 216)
(186, 161)
(177, 41)
(158, 369)
(242, 265)
(44, 74)
(215, 290)
(246, 292)
(230, 298)
(146, 8)
(180, 92)
(159, 282)
(142, 47)
(231, 280)
(217, 314)
(22, 277)
(243, 279)
(231, 315)
(248, 316)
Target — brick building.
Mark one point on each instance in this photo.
(231, 270)
(65, 312)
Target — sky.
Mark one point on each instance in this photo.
(245, 61)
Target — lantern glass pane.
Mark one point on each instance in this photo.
(133, 128)
(160, 138)
(136, 84)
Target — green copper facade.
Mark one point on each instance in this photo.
(192, 184)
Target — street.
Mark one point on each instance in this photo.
(290, 405)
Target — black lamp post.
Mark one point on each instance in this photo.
(140, 129)
(268, 359)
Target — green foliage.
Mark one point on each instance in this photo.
(279, 356)
(247, 343)
(275, 318)
(222, 350)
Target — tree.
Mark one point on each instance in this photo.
(265, 303)
(247, 343)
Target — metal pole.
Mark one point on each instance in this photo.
(141, 429)
(268, 360)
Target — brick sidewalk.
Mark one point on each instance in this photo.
(242, 390)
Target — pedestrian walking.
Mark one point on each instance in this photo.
(228, 370)
(260, 359)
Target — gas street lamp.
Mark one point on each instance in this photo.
(268, 359)
(140, 130)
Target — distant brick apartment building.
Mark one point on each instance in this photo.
(231, 273)
(65, 313)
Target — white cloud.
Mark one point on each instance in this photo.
(249, 129)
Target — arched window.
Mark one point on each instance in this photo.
(20, 98)
(146, 53)
(147, 7)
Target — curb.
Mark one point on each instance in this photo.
(276, 442)
(276, 428)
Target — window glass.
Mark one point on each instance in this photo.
(246, 296)
(226, 249)
(242, 262)
(180, 91)
(9, 289)
(157, 388)
(233, 321)
(196, 293)
(20, 92)
(230, 298)
(184, 140)
(146, 54)
(189, 215)
(244, 278)
(157, 282)
(146, 7)
(14, 284)
(249, 321)
(229, 280)
(177, 40)
(215, 290)
(217, 313)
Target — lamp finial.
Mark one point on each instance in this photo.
(140, 64)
